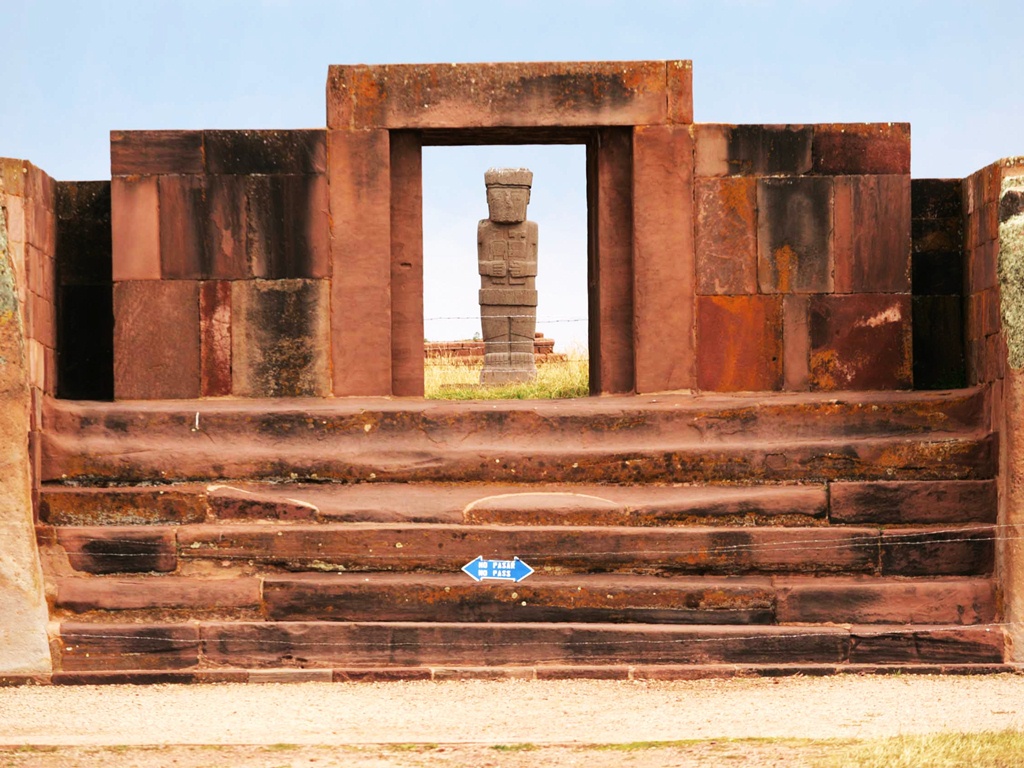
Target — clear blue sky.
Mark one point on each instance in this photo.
(73, 71)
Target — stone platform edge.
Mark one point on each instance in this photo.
(624, 673)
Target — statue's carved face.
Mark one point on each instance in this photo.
(507, 205)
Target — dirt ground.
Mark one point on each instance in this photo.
(505, 724)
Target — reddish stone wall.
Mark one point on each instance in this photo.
(473, 351)
(27, 196)
(220, 263)
(803, 257)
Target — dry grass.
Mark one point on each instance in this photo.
(998, 749)
(449, 378)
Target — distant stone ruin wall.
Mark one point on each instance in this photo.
(471, 351)
(220, 264)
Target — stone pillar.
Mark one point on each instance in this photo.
(507, 262)
(23, 614)
(406, 264)
(610, 272)
(360, 199)
(663, 258)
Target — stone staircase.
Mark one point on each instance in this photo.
(672, 536)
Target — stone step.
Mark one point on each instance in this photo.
(913, 502)
(540, 598)
(134, 646)
(671, 438)
(917, 551)
(68, 458)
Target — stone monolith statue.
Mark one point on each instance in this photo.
(507, 257)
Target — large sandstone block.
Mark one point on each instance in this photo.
(726, 235)
(752, 150)
(266, 152)
(280, 338)
(857, 148)
(509, 94)
(135, 228)
(860, 341)
(156, 339)
(287, 226)
(739, 343)
(154, 152)
(872, 234)
(182, 227)
(794, 235)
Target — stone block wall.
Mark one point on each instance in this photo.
(28, 198)
(938, 283)
(803, 268)
(985, 344)
(221, 263)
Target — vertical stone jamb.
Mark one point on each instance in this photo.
(359, 168)
(610, 262)
(663, 258)
(407, 264)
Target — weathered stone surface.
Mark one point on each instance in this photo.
(23, 612)
(590, 598)
(155, 152)
(360, 207)
(952, 551)
(121, 506)
(83, 252)
(963, 501)
(690, 549)
(931, 645)
(860, 341)
(280, 338)
(266, 152)
(315, 644)
(156, 339)
(794, 235)
(215, 344)
(507, 263)
(149, 593)
(135, 228)
(872, 601)
(610, 206)
(226, 227)
(858, 148)
(182, 227)
(406, 264)
(872, 234)
(509, 94)
(936, 198)
(119, 549)
(753, 150)
(287, 226)
(726, 235)
(228, 503)
(663, 259)
(128, 646)
(739, 343)
(796, 342)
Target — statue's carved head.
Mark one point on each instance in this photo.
(508, 194)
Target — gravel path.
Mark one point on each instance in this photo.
(508, 712)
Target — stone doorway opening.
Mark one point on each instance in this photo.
(454, 200)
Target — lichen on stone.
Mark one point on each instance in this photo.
(1011, 276)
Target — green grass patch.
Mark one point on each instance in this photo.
(992, 749)
(450, 378)
(514, 747)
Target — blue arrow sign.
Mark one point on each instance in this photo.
(497, 570)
